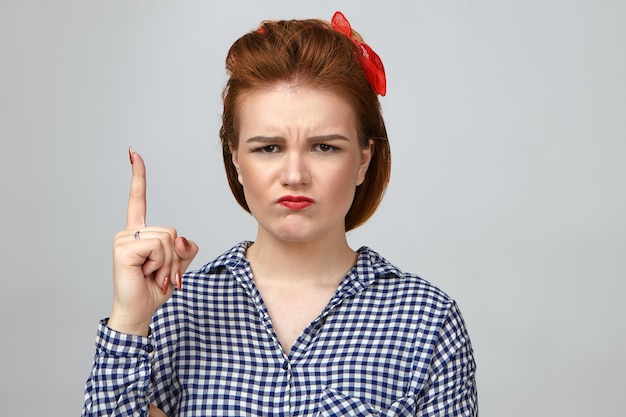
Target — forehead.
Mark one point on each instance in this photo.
(284, 107)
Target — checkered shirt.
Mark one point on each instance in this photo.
(387, 344)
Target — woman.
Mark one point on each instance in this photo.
(296, 322)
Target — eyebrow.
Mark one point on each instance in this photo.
(274, 139)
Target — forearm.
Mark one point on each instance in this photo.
(119, 382)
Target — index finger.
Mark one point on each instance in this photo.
(136, 213)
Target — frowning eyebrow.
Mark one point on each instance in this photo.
(280, 139)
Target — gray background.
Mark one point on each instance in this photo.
(507, 121)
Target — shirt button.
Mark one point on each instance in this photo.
(148, 348)
(286, 365)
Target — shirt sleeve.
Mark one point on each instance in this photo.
(119, 383)
(451, 390)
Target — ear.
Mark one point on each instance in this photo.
(366, 158)
(235, 160)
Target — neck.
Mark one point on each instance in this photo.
(319, 262)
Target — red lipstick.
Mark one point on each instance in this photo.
(295, 202)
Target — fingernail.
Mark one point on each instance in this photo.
(130, 155)
(166, 284)
(179, 281)
(185, 242)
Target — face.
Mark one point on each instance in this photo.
(299, 161)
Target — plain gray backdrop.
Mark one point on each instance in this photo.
(507, 122)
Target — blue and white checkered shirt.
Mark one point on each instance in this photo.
(387, 344)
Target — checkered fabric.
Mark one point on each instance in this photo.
(387, 344)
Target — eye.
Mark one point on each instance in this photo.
(268, 149)
(324, 147)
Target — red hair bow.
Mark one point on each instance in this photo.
(369, 60)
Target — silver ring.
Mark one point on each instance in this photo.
(137, 235)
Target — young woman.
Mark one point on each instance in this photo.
(295, 323)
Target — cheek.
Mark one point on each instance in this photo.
(251, 179)
(244, 171)
(344, 181)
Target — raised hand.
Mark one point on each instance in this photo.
(147, 261)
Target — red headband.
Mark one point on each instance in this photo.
(369, 60)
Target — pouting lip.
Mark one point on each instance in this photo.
(295, 198)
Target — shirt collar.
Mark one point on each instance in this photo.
(233, 258)
(369, 266)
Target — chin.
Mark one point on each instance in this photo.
(298, 231)
(294, 237)
(295, 234)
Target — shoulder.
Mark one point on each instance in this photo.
(407, 304)
(233, 257)
(381, 273)
(218, 276)
(213, 286)
(224, 264)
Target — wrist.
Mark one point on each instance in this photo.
(128, 327)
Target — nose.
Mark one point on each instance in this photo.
(295, 170)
